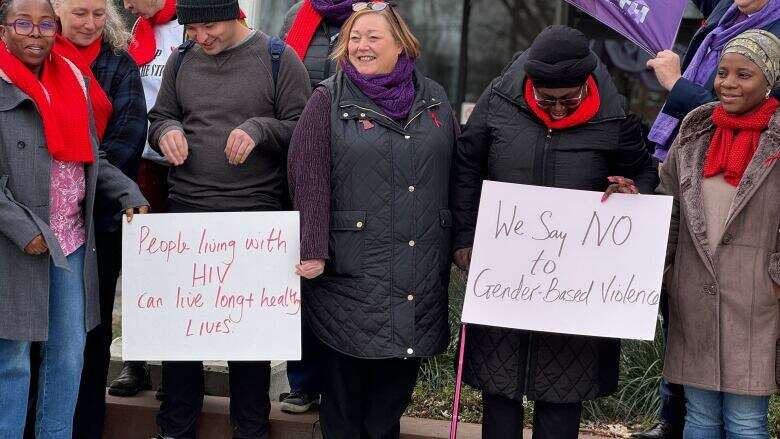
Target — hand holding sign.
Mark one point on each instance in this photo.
(559, 260)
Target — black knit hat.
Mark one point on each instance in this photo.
(560, 57)
(206, 11)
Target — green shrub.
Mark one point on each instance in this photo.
(634, 403)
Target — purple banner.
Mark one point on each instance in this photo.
(651, 24)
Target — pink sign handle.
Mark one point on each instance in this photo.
(458, 384)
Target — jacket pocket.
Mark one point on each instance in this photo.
(346, 242)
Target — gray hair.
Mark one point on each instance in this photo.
(115, 32)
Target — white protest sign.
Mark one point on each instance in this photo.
(558, 260)
(211, 286)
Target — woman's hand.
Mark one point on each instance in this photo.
(666, 66)
(311, 268)
(462, 258)
(620, 185)
(141, 210)
(36, 246)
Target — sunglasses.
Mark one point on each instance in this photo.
(569, 103)
(374, 6)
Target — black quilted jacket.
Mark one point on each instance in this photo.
(384, 290)
(504, 141)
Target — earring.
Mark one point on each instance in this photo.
(768, 92)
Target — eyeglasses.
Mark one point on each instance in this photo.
(567, 102)
(46, 28)
(374, 6)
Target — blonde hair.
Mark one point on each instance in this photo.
(115, 32)
(398, 27)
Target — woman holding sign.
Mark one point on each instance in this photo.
(724, 246)
(369, 169)
(554, 118)
(94, 38)
(50, 172)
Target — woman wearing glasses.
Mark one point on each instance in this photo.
(369, 169)
(554, 118)
(94, 38)
(48, 180)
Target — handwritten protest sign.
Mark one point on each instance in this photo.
(211, 286)
(559, 260)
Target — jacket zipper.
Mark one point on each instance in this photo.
(419, 113)
(331, 40)
(527, 384)
(416, 115)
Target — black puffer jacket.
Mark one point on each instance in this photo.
(317, 59)
(504, 141)
(384, 290)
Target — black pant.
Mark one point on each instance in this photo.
(183, 402)
(364, 399)
(91, 406)
(502, 418)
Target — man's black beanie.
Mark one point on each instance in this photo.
(206, 11)
(560, 57)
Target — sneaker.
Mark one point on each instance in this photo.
(133, 378)
(297, 402)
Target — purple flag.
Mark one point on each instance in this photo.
(650, 24)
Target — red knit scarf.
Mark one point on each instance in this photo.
(83, 57)
(736, 140)
(303, 29)
(62, 105)
(585, 112)
(143, 44)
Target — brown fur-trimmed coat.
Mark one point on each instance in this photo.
(724, 318)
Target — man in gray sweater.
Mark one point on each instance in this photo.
(225, 126)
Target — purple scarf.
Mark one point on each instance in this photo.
(334, 11)
(392, 92)
(705, 62)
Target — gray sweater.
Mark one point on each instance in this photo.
(207, 99)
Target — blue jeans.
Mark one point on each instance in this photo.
(62, 358)
(304, 375)
(719, 415)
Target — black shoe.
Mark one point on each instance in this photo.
(297, 402)
(661, 430)
(133, 378)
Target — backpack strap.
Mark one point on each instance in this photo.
(275, 50)
(183, 48)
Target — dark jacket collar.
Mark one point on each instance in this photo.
(350, 95)
(10, 95)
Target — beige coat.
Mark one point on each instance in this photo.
(724, 318)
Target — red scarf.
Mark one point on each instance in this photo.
(736, 140)
(584, 113)
(143, 44)
(303, 29)
(83, 57)
(62, 105)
